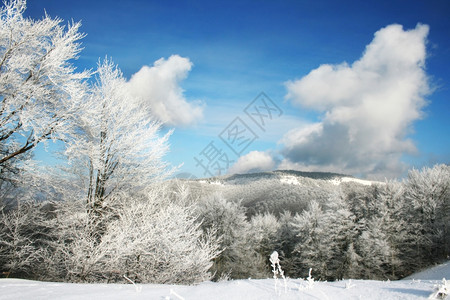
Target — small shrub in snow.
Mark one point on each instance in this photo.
(137, 287)
(442, 291)
(310, 282)
(349, 284)
(172, 292)
(276, 269)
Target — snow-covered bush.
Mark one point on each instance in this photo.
(309, 282)
(24, 238)
(442, 291)
(147, 238)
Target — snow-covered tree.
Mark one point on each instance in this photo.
(376, 251)
(427, 193)
(383, 232)
(40, 89)
(264, 229)
(118, 147)
(263, 239)
(315, 248)
(343, 230)
(325, 234)
(286, 240)
(228, 222)
(359, 199)
(352, 262)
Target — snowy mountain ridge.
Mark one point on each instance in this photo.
(285, 176)
(274, 191)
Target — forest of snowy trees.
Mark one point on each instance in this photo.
(379, 231)
(107, 214)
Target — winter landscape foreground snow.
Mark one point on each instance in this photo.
(418, 286)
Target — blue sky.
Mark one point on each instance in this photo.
(227, 53)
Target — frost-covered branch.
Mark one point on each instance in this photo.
(40, 89)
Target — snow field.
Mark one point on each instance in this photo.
(424, 284)
(227, 290)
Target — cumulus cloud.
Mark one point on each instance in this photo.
(255, 161)
(158, 87)
(367, 108)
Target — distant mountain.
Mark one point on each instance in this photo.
(184, 175)
(235, 178)
(275, 191)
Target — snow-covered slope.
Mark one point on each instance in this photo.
(289, 179)
(435, 273)
(339, 180)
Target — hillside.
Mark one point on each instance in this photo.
(434, 273)
(275, 191)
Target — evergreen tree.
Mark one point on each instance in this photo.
(428, 194)
(263, 239)
(343, 230)
(316, 246)
(286, 241)
(226, 220)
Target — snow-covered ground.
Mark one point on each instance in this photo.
(339, 180)
(419, 288)
(290, 180)
(437, 272)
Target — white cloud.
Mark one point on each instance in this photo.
(159, 89)
(254, 161)
(367, 108)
